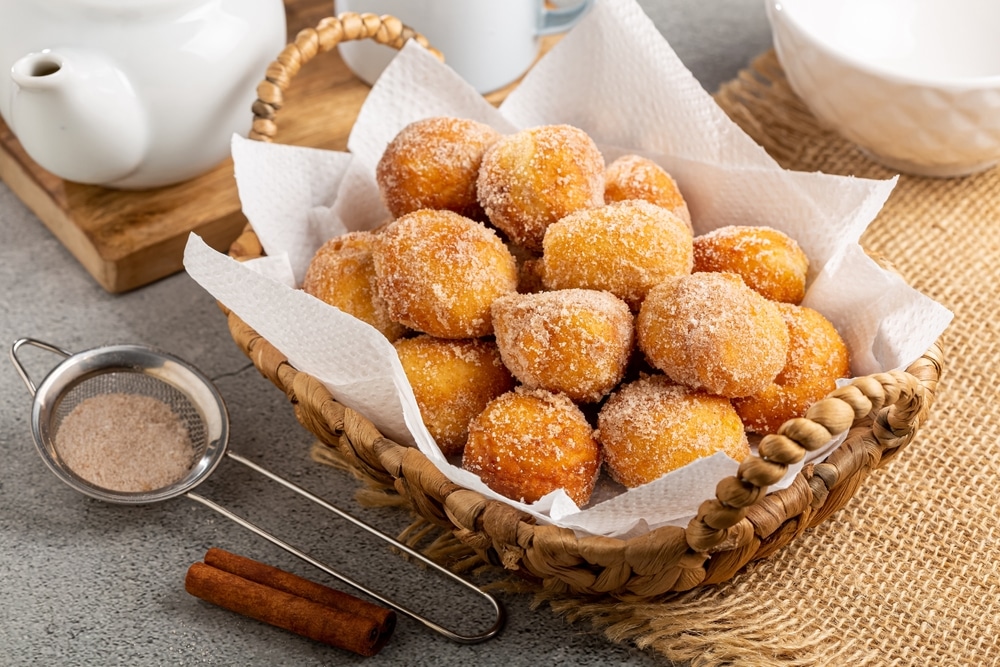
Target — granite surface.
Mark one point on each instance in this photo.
(86, 582)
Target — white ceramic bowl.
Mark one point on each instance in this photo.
(914, 83)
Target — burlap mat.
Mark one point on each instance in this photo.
(909, 572)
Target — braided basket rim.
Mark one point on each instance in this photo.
(880, 414)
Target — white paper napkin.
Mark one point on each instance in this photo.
(617, 78)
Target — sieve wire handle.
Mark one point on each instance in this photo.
(21, 342)
(462, 639)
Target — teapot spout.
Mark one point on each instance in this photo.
(77, 115)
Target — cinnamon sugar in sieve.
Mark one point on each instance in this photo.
(125, 442)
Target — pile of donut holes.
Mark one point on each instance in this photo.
(556, 316)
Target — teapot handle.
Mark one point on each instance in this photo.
(310, 42)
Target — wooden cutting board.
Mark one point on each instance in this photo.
(127, 239)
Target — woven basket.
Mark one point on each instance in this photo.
(881, 413)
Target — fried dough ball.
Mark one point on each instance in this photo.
(770, 262)
(651, 426)
(529, 269)
(624, 248)
(434, 163)
(530, 442)
(710, 331)
(532, 178)
(637, 177)
(573, 341)
(531, 275)
(342, 274)
(452, 380)
(817, 357)
(438, 273)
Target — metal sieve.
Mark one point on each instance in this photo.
(135, 369)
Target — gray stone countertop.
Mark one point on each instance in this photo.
(90, 583)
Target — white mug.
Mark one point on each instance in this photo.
(489, 43)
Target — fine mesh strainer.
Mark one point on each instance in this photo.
(135, 369)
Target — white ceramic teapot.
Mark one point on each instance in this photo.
(133, 93)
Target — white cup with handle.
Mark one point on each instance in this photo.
(489, 43)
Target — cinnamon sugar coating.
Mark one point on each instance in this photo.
(572, 341)
(342, 274)
(528, 443)
(769, 261)
(438, 273)
(531, 179)
(624, 248)
(637, 177)
(125, 442)
(452, 380)
(651, 426)
(434, 163)
(710, 331)
(817, 357)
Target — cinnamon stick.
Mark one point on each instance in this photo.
(364, 634)
(290, 583)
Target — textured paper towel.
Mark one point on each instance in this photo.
(615, 77)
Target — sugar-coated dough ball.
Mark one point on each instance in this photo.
(817, 357)
(342, 273)
(530, 275)
(651, 426)
(770, 262)
(434, 163)
(452, 380)
(530, 442)
(529, 269)
(637, 177)
(624, 248)
(438, 273)
(532, 178)
(573, 341)
(710, 331)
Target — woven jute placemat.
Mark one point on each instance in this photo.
(908, 573)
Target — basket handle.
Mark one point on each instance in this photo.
(330, 32)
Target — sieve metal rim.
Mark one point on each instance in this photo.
(163, 366)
